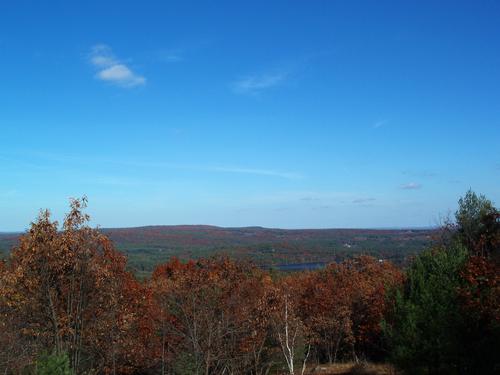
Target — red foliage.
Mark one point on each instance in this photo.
(481, 293)
(68, 290)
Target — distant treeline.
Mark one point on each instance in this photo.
(146, 247)
(68, 305)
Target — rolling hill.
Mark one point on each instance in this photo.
(148, 246)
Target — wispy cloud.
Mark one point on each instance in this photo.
(309, 199)
(112, 70)
(380, 123)
(294, 198)
(325, 207)
(411, 186)
(363, 200)
(144, 164)
(420, 174)
(182, 51)
(110, 180)
(170, 56)
(8, 193)
(261, 172)
(281, 209)
(255, 84)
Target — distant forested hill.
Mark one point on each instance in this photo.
(7, 240)
(148, 246)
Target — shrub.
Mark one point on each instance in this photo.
(53, 364)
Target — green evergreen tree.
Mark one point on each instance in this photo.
(445, 319)
(53, 364)
(423, 327)
(478, 224)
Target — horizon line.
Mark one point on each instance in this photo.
(251, 226)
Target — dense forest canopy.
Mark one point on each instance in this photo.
(147, 247)
(68, 305)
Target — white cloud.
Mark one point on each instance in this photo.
(112, 69)
(102, 61)
(411, 186)
(257, 83)
(121, 74)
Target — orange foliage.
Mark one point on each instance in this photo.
(69, 291)
(343, 306)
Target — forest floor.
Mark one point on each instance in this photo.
(354, 369)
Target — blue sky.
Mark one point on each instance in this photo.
(293, 114)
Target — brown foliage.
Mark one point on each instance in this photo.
(214, 310)
(68, 290)
(481, 293)
(343, 306)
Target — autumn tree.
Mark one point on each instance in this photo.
(288, 327)
(373, 280)
(343, 305)
(16, 349)
(66, 291)
(211, 315)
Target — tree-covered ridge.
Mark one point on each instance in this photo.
(147, 247)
